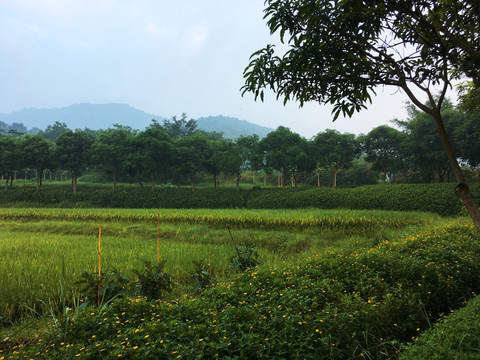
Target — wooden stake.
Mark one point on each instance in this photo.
(210, 262)
(158, 238)
(235, 245)
(99, 262)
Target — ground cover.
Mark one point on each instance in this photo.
(345, 302)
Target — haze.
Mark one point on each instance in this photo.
(162, 57)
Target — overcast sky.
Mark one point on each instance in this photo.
(164, 57)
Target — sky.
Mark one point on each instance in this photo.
(165, 57)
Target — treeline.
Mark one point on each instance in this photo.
(176, 152)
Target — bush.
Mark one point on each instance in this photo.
(457, 336)
(435, 198)
(153, 281)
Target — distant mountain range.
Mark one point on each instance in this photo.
(104, 116)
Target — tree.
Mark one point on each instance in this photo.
(423, 145)
(383, 149)
(52, 132)
(335, 151)
(10, 158)
(111, 148)
(178, 128)
(190, 156)
(250, 154)
(73, 153)
(152, 151)
(339, 52)
(282, 149)
(37, 154)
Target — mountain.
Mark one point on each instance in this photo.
(92, 116)
(104, 116)
(231, 127)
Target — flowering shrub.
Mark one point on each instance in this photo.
(457, 336)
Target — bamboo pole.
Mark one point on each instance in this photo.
(99, 262)
(158, 238)
(210, 262)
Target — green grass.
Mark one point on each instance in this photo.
(343, 302)
(35, 242)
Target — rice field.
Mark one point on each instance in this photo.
(41, 249)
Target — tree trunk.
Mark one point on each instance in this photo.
(114, 180)
(38, 175)
(334, 178)
(384, 176)
(193, 180)
(6, 182)
(152, 179)
(215, 181)
(238, 181)
(461, 188)
(318, 179)
(74, 183)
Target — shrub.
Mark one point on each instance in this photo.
(457, 336)
(153, 281)
(112, 284)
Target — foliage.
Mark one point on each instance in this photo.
(383, 149)
(435, 198)
(335, 151)
(338, 53)
(112, 282)
(338, 304)
(32, 241)
(457, 336)
(245, 259)
(201, 277)
(153, 281)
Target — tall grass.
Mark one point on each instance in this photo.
(33, 243)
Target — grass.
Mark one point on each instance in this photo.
(35, 242)
(343, 302)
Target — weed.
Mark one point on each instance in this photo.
(112, 284)
(153, 281)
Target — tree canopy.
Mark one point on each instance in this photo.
(339, 52)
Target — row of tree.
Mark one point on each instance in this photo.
(175, 151)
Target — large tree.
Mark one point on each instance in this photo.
(340, 51)
(10, 158)
(151, 152)
(111, 148)
(335, 151)
(283, 151)
(383, 149)
(73, 153)
(191, 154)
(37, 154)
(423, 145)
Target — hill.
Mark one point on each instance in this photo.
(92, 116)
(231, 127)
(103, 116)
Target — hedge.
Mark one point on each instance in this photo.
(435, 198)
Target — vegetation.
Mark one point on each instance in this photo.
(340, 53)
(352, 299)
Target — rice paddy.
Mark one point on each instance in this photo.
(42, 249)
